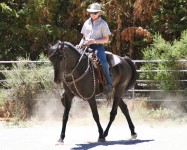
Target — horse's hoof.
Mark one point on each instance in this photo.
(101, 140)
(60, 142)
(134, 136)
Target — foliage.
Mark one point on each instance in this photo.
(168, 53)
(150, 111)
(26, 27)
(169, 18)
(162, 113)
(3, 96)
(180, 47)
(23, 83)
(133, 35)
(157, 114)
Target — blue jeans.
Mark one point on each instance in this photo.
(100, 51)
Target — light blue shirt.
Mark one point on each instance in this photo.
(96, 30)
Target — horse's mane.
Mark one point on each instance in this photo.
(71, 46)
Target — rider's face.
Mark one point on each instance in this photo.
(94, 15)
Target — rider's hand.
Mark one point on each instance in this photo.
(91, 41)
(78, 46)
(85, 43)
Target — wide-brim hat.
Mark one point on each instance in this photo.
(95, 7)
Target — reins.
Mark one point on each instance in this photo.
(73, 82)
(79, 60)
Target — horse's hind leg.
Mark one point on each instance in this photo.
(66, 101)
(125, 111)
(93, 106)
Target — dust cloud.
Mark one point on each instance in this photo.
(48, 107)
(176, 103)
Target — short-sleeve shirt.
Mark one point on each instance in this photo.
(96, 30)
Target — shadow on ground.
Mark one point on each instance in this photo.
(109, 143)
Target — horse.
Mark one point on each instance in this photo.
(79, 77)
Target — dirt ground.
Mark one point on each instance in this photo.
(83, 136)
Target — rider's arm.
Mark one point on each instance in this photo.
(82, 41)
(104, 40)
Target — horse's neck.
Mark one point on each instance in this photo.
(72, 58)
(75, 64)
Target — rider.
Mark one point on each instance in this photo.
(96, 33)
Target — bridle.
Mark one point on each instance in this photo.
(56, 50)
(74, 81)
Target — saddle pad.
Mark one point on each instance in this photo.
(113, 59)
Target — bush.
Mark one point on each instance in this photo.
(3, 96)
(163, 50)
(23, 83)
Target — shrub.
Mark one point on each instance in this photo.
(3, 96)
(163, 50)
(23, 83)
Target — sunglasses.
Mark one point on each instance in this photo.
(95, 13)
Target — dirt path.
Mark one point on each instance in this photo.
(80, 137)
(82, 134)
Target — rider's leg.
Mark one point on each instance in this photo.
(105, 68)
(100, 51)
(106, 72)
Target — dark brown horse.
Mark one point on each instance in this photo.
(75, 70)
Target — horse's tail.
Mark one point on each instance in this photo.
(134, 73)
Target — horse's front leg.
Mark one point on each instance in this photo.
(93, 106)
(66, 102)
(125, 111)
(113, 114)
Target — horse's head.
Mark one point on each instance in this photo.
(64, 57)
(56, 55)
(55, 51)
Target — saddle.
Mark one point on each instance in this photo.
(112, 59)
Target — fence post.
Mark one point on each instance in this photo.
(133, 98)
(133, 92)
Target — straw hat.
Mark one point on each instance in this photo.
(95, 7)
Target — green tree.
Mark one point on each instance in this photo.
(169, 18)
(26, 27)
